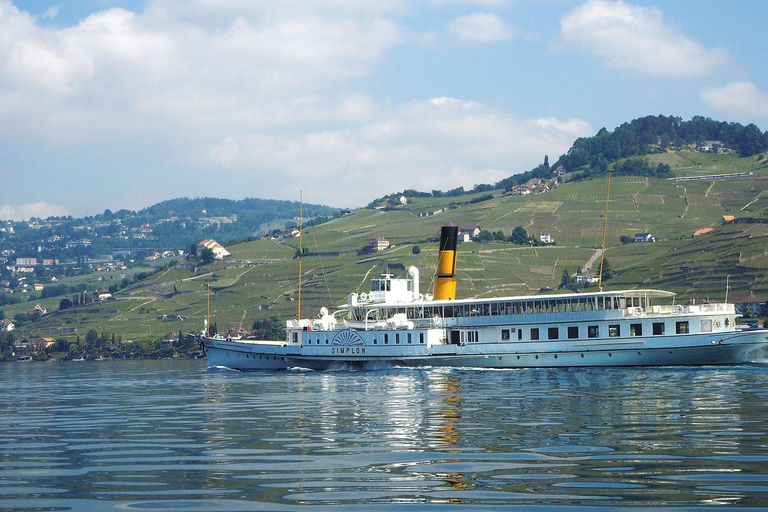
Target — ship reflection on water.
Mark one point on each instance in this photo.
(159, 435)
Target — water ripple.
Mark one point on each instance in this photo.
(169, 435)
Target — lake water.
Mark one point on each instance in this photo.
(171, 435)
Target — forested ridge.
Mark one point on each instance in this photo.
(654, 134)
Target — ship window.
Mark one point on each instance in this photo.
(505, 335)
(386, 339)
(593, 331)
(681, 327)
(535, 333)
(421, 337)
(397, 338)
(519, 334)
(375, 341)
(573, 332)
(409, 338)
(635, 329)
(658, 328)
(553, 333)
(614, 331)
(295, 337)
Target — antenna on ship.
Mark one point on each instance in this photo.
(301, 250)
(605, 228)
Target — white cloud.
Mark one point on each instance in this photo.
(627, 36)
(482, 3)
(29, 210)
(737, 99)
(440, 143)
(51, 13)
(171, 67)
(255, 93)
(482, 27)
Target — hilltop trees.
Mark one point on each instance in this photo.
(652, 134)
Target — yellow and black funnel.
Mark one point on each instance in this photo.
(445, 279)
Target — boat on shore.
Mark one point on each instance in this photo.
(395, 324)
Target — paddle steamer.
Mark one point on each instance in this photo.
(395, 324)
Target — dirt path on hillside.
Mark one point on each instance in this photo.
(586, 268)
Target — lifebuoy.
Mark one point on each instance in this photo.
(436, 319)
(638, 311)
(363, 297)
(717, 324)
(678, 309)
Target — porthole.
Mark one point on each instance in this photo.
(555, 356)
(537, 357)
(582, 356)
(610, 355)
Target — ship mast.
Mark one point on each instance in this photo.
(605, 228)
(301, 216)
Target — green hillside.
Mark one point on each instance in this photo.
(261, 277)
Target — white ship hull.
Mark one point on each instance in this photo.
(736, 347)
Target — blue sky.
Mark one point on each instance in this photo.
(122, 104)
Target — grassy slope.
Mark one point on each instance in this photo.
(263, 278)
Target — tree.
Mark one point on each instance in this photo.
(565, 279)
(606, 269)
(484, 236)
(269, 329)
(192, 251)
(206, 255)
(519, 236)
(65, 304)
(415, 249)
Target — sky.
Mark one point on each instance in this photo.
(123, 103)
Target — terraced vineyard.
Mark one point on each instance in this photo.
(261, 277)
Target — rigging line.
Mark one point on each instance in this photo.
(605, 228)
(322, 268)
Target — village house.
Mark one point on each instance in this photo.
(644, 237)
(171, 337)
(468, 234)
(520, 190)
(101, 295)
(219, 252)
(380, 244)
(6, 325)
(727, 219)
(587, 278)
(749, 302)
(545, 237)
(37, 309)
(30, 346)
(237, 332)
